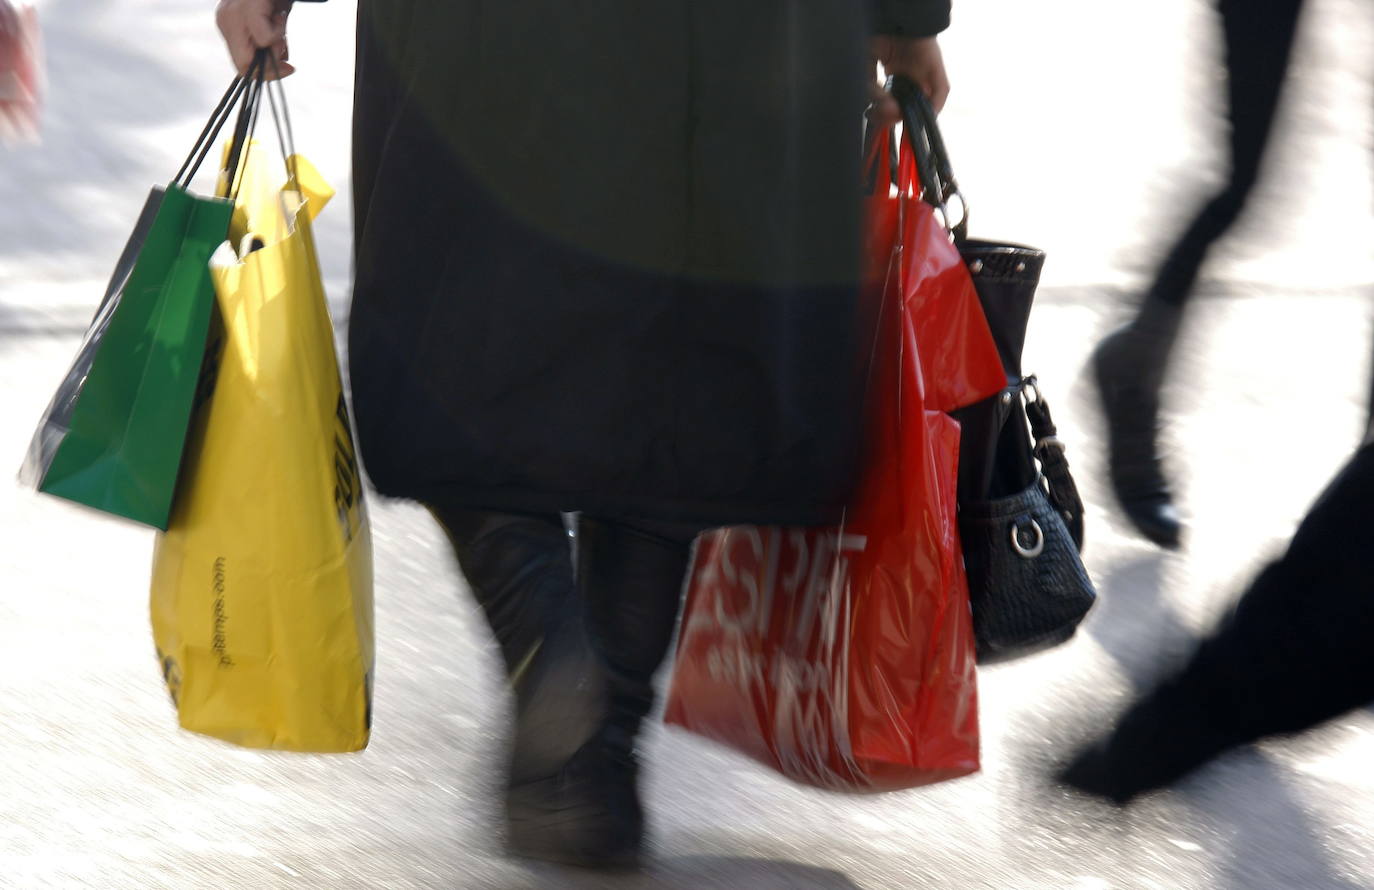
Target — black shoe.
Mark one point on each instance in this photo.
(588, 814)
(1130, 403)
(1091, 772)
(1156, 743)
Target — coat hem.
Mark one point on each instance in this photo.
(709, 513)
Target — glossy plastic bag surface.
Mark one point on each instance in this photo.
(843, 657)
(958, 354)
(262, 584)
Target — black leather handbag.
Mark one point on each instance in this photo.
(1020, 515)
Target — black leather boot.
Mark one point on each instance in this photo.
(520, 571)
(589, 813)
(1129, 367)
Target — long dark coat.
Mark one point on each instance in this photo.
(606, 253)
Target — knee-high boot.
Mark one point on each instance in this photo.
(1131, 364)
(520, 571)
(629, 578)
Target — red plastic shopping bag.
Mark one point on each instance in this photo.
(957, 352)
(843, 657)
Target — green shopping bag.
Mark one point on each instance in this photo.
(113, 435)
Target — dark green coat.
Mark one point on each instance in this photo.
(607, 252)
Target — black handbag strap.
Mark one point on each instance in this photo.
(938, 184)
(1054, 465)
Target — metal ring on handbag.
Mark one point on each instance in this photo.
(1035, 549)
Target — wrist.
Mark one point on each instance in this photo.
(910, 18)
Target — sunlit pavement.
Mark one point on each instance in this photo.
(1081, 127)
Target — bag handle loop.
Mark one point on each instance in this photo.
(245, 92)
(936, 174)
(218, 118)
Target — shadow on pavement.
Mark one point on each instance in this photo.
(699, 873)
(1246, 797)
(18, 322)
(1134, 625)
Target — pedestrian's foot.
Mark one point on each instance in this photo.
(1154, 516)
(1141, 757)
(1173, 731)
(1090, 772)
(587, 815)
(1131, 408)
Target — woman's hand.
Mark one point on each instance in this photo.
(919, 60)
(250, 25)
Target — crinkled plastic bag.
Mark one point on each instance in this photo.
(843, 657)
(262, 584)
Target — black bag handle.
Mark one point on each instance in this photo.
(246, 93)
(920, 115)
(938, 184)
(246, 125)
(248, 117)
(1054, 465)
(218, 118)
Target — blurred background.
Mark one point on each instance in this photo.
(1086, 128)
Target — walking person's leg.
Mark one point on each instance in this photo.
(629, 580)
(1297, 650)
(519, 569)
(1132, 363)
(581, 649)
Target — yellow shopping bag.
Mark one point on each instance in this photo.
(262, 583)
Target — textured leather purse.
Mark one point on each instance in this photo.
(1027, 585)
(1020, 515)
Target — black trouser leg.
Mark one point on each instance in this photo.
(581, 653)
(627, 590)
(1259, 42)
(630, 575)
(1132, 363)
(1297, 650)
(520, 571)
